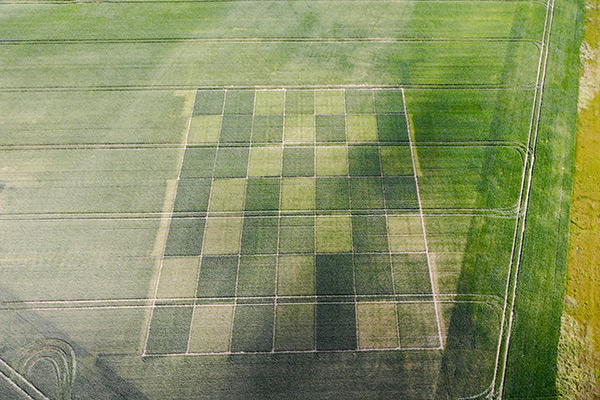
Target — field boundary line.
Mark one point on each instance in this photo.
(168, 223)
(271, 40)
(431, 277)
(518, 242)
(138, 88)
(171, 146)
(64, 3)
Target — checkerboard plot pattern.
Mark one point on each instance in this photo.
(297, 222)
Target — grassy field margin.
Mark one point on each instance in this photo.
(579, 347)
(532, 355)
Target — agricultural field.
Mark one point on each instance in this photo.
(284, 199)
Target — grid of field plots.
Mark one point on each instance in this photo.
(296, 226)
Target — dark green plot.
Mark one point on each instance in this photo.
(185, 237)
(335, 274)
(267, 129)
(209, 102)
(389, 101)
(262, 194)
(366, 193)
(253, 328)
(300, 102)
(336, 327)
(369, 234)
(373, 274)
(392, 128)
(364, 161)
(192, 194)
(236, 129)
(331, 128)
(359, 102)
(217, 276)
(298, 161)
(333, 194)
(198, 162)
(257, 276)
(259, 235)
(232, 162)
(297, 235)
(411, 273)
(239, 102)
(169, 330)
(400, 192)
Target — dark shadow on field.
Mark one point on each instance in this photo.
(374, 375)
(25, 334)
(469, 358)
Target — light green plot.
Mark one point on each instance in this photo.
(223, 235)
(299, 128)
(361, 128)
(178, 277)
(329, 101)
(298, 194)
(334, 234)
(377, 326)
(406, 234)
(227, 194)
(296, 275)
(332, 160)
(265, 161)
(211, 329)
(204, 129)
(269, 102)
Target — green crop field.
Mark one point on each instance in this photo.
(284, 199)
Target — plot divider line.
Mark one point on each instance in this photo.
(278, 253)
(168, 224)
(314, 93)
(431, 277)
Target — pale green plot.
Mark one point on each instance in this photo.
(329, 101)
(406, 234)
(227, 194)
(211, 329)
(296, 275)
(334, 234)
(223, 235)
(299, 128)
(377, 326)
(396, 160)
(269, 102)
(361, 128)
(298, 194)
(178, 277)
(332, 160)
(205, 129)
(265, 161)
